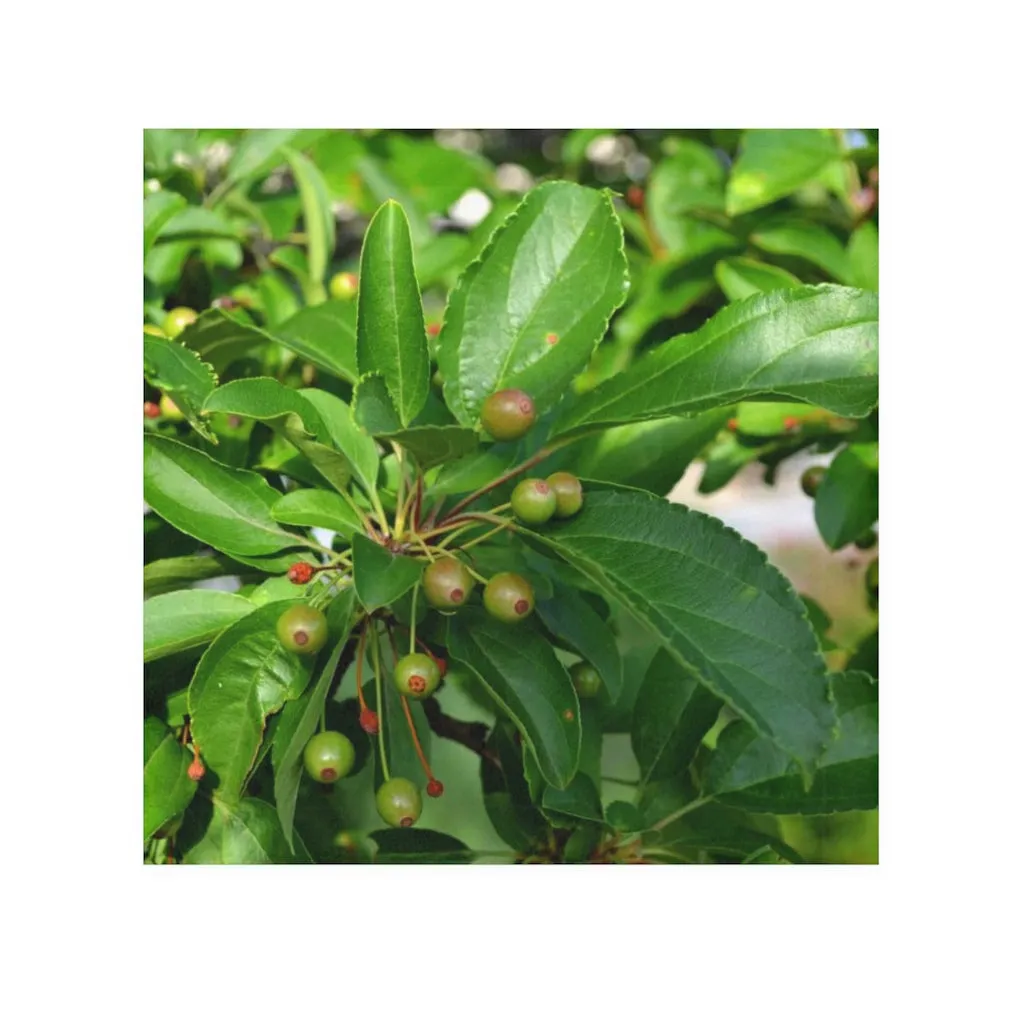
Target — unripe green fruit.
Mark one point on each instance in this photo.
(329, 756)
(533, 501)
(178, 319)
(344, 286)
(568, 494)
(169, 410)
(585, 678)
(866, 541)
(811, 479)
(417, 676)
(508, 597)
(507, 415)
(302, 629)
(447, 583)
(157, 332)
(399, 802)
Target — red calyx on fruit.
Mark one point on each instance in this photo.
(300, 572)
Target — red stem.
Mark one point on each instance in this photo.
(497, 482)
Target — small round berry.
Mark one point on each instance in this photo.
(151, 410)
(369, 722)
(302, 629)
(508, 597)
(416, 675)
(533, 501)
(811, 480)
(178, 319)
(157, 332)
(507, 415)
(196, 770)
(344, 286)
(300, 572)
(635, 196)
(568, 494)
(866, 541)
(434, 788)
(447, 584)
(586, 679)
(399, 802)
(169, 410)
(329, 756)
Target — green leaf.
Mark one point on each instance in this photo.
(298, 723)
(242, 677)
(789, 236)
(174, 573)
(224, 507)
(157, 209)
(357, 446)
(433, 445)
(474, 470)
(862, 253)
(318, 218)
(776, 162)
(166, 788)
(724, 460)
(221, 337)
(715, 602)
(179, 373)
(419, 846)
(672, 715)
(259, 151)
(521, 672)
(571, 618)
(187, 618)
(846, 504)
(507, 793)
(372, 408)
(816, 344)
(529, 313)
(309, 507)
(652, 456)
(740, 277)
(324, 335)
(623, 817)
(748, 772)
(391, 338)
(247, 832)
(381, 577)
(692, 178)
(580, 800)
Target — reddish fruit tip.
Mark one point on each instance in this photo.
(417, 684)
(328, 775)
(457, 594)
(369, 722)
(151, 409)
(300, 572)
(406, 822)
(522, 606)
(434, 788)
(301, 637)
(525, 405)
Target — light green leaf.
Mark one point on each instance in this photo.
(716, 604)
(350, 439)
(776, 162)
(862, 252)
(227, 508)
(381, 577)
(739, 277)
(789, 236)
(747, 771)
(519, 669)
(196, 222)
(187, 618)
(308, 507)
(243, 676)
(693, 178)
(166, 788)
(318, 218)
(846, 504)
(391, 339)
(157, 209)
(259, 152)
(221, 337)
(433, 445)
(167, 574)
(325, 335)
(817, 344)
(180, 374)
(247, 832)
(530, 311)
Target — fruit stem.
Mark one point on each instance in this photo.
(416, 739)
(400, 502)
(498, 481)
(360, 649)
(477, 540)
(412, 620)
(472, 572)
(380, 706)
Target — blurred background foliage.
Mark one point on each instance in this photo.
(265, 224)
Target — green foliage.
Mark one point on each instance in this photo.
(503, 403)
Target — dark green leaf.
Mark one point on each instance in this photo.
(418, 846)
(225, 507)
(624, 817)
(325, 335)
(506, 792)
(672, 714)
(309, 507)
(740, 277)
(187, 618)
(816, 344)
(247, 832)
(529, 313)
(846, 504)
(221, 337)
(166, 788)
(692, 178)
(520, 671)
(432, 445)
(474, 470)
(242, 677)
(789, 236)
(181, 375)
(716, 604)
(747, 771)
(579, 800)
(391, 338)
(381, 577)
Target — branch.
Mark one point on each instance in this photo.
(472, 735)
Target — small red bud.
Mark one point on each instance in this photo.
(733, 424)
(196, 770)
(300, 572)
(434, 788)
(151, 409)
(369, 722)
(635, 196)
